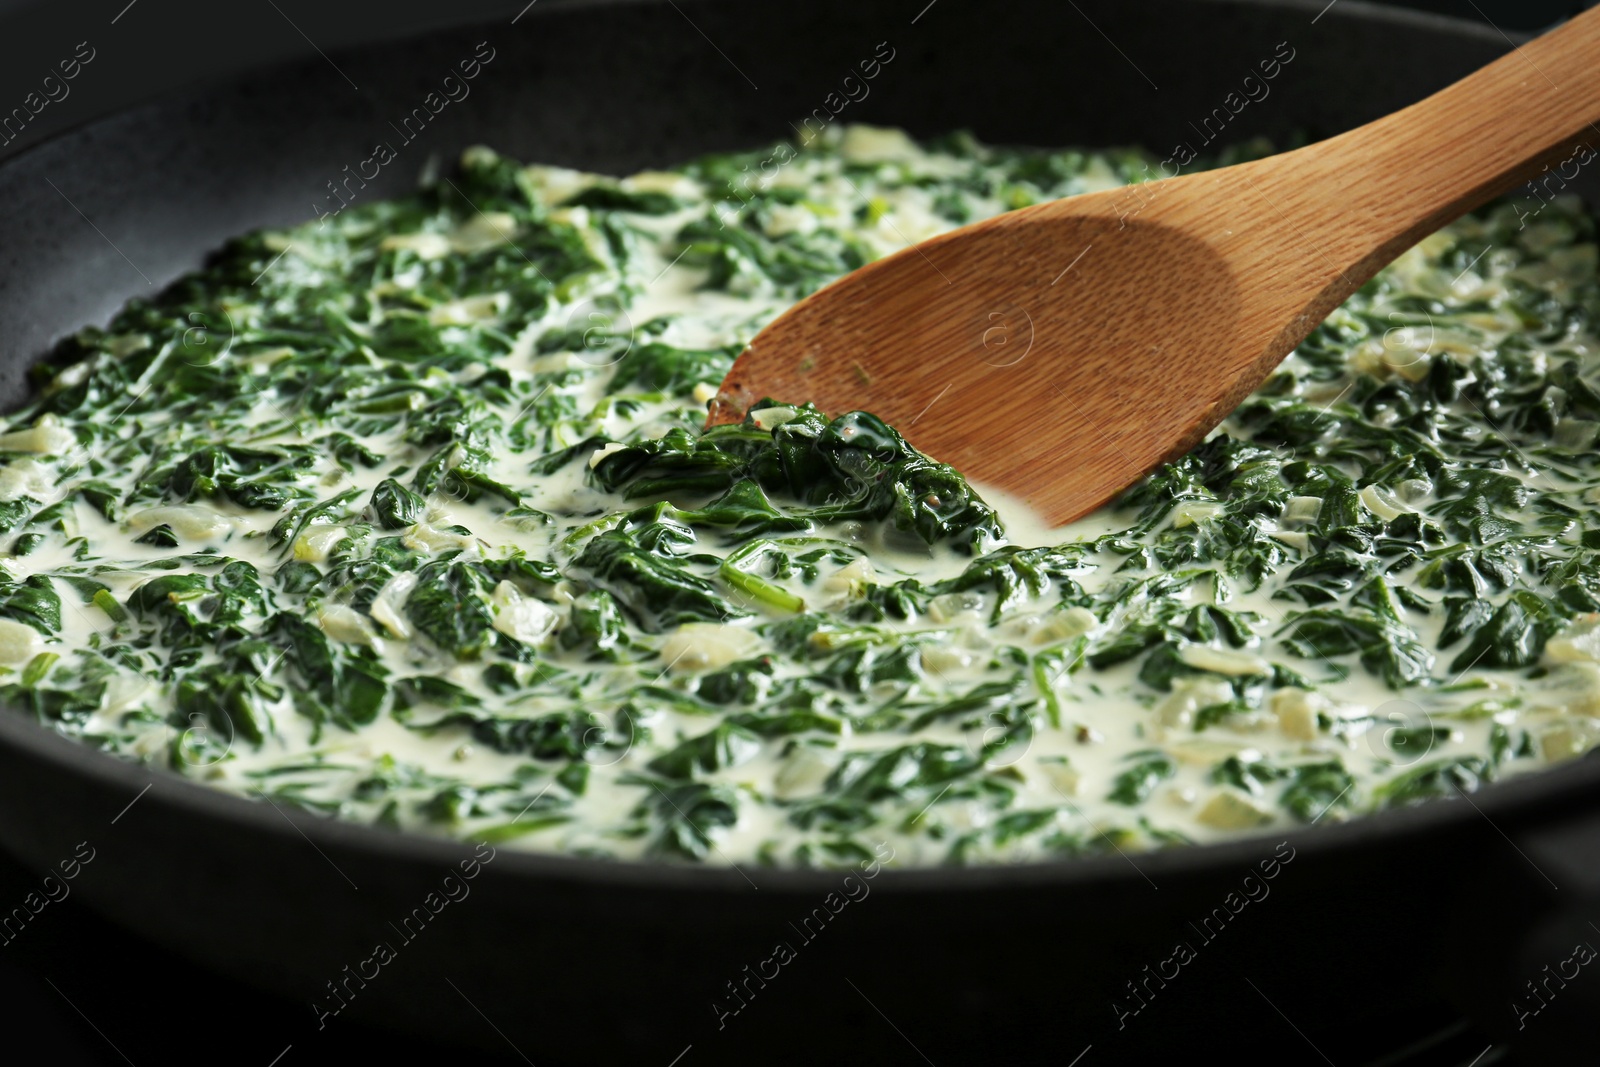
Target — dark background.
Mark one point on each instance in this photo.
(132, 1003)
(156, 46)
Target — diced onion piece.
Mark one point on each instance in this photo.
(388, 606)
(578, 219)
(699, 646)
(1192, 512)
(1056, 626)
(1061, 774)
(190, 522)
(771, 418)
(1072, 622)
(1188, 696)
(560, 183)
(1229, 809)
(485, 230)
(663, 181)
(25, 477)
(876, 144)
(1407, 362)
(19, 642)
(1227, 661)
(424, 537)
(521, 618)
(949, 607)
(1302, 508)
(317, 542)
(1579, 642)
(1381, 502)
(803, 771)
(468, 310)
(1564, 741)
(425, 245)
(346, 624)
(941, 658)
(1204, 752)
(789, 218)
(122, 692)
(1296, 710)
(118, 345)
(1574, 688)
(1293, 538)
(46, 436)
(851, 577)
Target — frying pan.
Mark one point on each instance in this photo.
(571, 960)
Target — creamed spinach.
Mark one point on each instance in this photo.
(406, 517)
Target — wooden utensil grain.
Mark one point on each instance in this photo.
(1063, 350)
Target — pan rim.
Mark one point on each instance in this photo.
(1525, 796)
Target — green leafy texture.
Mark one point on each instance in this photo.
(594, 627)
(33, 601)
(742, 682)
(391, 343)
(1248, 774)
(911, 774)
(986, 704)
(62, 700)
(1134, 785)
(1513, 636)
(750, 569)
(1386, 647)
(853, 468)
(637, 563)
(1015, 575)
(605, 197)
(173, 603)
(231, 703)
(663, 368)
(161, 536)
(450, 606)
(563, 735)
(681, 816)
(345, 685)
(244, 476)
(1437, 778)
(724, 745)
(13, 512)
(395, 506)
(1317, 788)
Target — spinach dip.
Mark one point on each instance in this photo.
(405, 516)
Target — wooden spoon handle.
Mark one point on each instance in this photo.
(1532, 113)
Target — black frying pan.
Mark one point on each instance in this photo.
(575, 961)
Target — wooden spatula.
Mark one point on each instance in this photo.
(1062, 351)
